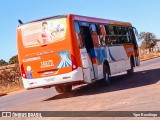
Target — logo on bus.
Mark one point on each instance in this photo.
(129, 50)
(65, 59)
(32, 59)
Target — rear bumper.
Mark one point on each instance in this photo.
(76, 75)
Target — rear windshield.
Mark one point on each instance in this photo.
(43, 32)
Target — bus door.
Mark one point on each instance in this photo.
(87, 53)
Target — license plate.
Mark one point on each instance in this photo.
(49, 79)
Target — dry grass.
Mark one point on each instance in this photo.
(4, 90)
(149, 56)
(10, 79)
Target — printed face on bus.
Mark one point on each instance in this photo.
(45, 25)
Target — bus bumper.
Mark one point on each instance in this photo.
(76, 75)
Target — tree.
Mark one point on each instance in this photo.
(3, 62)
(148, 40)
(13, 59)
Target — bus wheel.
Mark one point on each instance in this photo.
(59, 89)
(130, 71)
(67, 88)
(63, 88)
(106, 75)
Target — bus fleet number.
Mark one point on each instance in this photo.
(48, 63)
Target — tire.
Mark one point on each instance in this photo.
(63, 88)
(131, 71)
(106, 75)
(59, 89)
(68, 88)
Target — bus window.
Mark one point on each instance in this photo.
(78, 34)
(123, 35)
(102, 35)
(132, 37)
(98, 29)
(107, 29)
(115, 29)
(112, 35)
(94, 35)
(87, 38)
(128, 35)
(107, 38)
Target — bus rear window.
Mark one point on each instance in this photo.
(43, 32)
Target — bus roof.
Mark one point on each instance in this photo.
(84, 18)
(100, 20)
(57, 16)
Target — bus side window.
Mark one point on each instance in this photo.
(122, 35)
(94, 35)
(116, 33)
(102, 35)
(132, 36)
(78, 35)
(128, 35)
(107, 38)
(112, 35)
(98, 34)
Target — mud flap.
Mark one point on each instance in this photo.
(137, 61)
(87, 76)
(87, 66)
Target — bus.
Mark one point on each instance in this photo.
(69, 50)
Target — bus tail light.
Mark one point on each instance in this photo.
(74, 63)
(23, 72)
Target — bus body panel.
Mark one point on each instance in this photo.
(118, 59)
(40, 63)
(44, 61)
(74, 76)
(116, 56)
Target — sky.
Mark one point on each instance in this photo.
(143, 14)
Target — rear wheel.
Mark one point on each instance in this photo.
(106, 75)
(130, 71)
(63, 88)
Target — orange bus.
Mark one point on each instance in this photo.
(68, 50)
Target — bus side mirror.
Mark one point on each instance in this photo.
(135, 31)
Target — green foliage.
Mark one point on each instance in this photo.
(3, 62)
(13, 59)
(148, 40)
